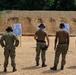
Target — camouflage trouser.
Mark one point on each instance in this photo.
(9, 52)
(61, 49)
(38, 50)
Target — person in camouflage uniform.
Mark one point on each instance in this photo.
(9, 41)
(62, 38)
(41, 47)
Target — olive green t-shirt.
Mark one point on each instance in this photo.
(41, 35)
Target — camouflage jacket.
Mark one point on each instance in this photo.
(9, 39)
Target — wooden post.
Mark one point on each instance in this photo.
(20, 41)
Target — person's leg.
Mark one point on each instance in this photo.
(12, 56)
(56, 61)
(6, 56)
(43, 53)
(64, 52)
(37, 54)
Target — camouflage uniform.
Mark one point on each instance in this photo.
(9, 41)
(39, 47)
(61, 49)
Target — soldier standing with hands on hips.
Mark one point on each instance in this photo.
(9, 41)
(62, 38)
(40, 36)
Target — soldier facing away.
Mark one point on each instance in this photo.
(9, 41)
(62, 38)
(41, 44)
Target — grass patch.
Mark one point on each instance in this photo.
(1, 15)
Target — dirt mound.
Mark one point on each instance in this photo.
(30, 20)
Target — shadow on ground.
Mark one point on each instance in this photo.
(50, 71)
(4, 73)
(71, 67)
(31, 68)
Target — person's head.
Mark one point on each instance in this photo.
(62, 25)
(9, 29)
(41, 26)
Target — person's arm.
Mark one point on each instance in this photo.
(35, 37)
(16, 41)
(55, 43)
(47, 40)
(1, 41)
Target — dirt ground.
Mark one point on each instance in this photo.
(25, 59)
(30, 20)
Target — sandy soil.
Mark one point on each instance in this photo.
(30, 20)
(25, 59)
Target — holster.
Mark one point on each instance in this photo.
(45, 48)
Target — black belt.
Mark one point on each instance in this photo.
(40, 41)
(63, 43)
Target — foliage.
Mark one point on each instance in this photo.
(0, 14)
(37, 4)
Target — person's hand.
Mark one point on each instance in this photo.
(36, 40)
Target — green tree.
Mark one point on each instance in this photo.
(38, 4)
(49, 4)
(8, 4)
(66, 4)
(32, 4)
(56, 5)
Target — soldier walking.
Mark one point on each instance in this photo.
(9, 41)
(41, 47)
(62, 38)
